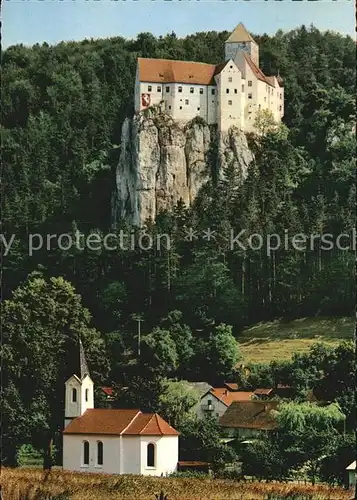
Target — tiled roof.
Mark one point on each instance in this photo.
(119, 422)
(108, 390)
(232, 386)
(150, 424)
(257, 71)
(263, 392)
(170, 71)
(227, 397)
(250, 415)
(240, 34)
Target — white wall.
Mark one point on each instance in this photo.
(73, 453)
(229, 104)
(76, 408)
(166, 454)
(121, 454)
(218, 407)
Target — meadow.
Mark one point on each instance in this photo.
(34, 484)
(278, 340)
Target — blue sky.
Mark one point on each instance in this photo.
(51, 21)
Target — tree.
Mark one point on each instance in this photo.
(158, 353)
(176, 401)
(223, 352)
(41, 325)
(264, 121)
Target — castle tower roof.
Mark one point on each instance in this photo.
(240, 34)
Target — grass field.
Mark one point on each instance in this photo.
(33, 484)
(278, 340)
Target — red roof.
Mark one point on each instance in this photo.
(170, 71)
(232, 386)
(120, 422)
(263, 392)
(258, 72)
(108, 391)
(227, 397)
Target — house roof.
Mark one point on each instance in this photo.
(108, 390)
(263, 392)
(250, 415)
(231, 386)
(227, 397)
(240, 34)
(170, 71)
(119, 422)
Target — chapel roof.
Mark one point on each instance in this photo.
(240, 34)
(250, 415)
(171, 71)
(130, 422)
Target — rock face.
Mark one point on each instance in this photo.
(162, 162)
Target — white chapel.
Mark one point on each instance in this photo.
(113, 441)
(228, 94)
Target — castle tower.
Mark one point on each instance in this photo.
(240, 39)
(79, 389)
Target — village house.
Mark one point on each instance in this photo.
(249, 419)
(216, 401)
(113, 441)
(227, 94)
(351, 479)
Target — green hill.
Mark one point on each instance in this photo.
(277, 340)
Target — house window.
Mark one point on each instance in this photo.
(99, 453)
(250, 83)
(149, 88)
(180, 89)
(242, 88)
(150, 458)
(230, 79)
(74, 395)
(159, 89)
(201, 91)
(186, 101)
(167, 89)
(230, 103)
(191, 90)
(87, 394)
(85, 453)
(227, 91)
(209, 402)
(213, 91)
(250, 96)
(235, 91)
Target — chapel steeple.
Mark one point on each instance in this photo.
(79, 388)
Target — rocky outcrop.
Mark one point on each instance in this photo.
(162, 162)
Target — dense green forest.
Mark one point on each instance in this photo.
(62, 111)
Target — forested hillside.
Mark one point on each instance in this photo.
(62, 111)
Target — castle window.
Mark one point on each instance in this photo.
(230, 79)
(280, 108)
(87, 394)
(250, 83)
(259, 106)
(242, 88)
(281, 96)
(213, 91)
(186, 102)
(201, 91)
(99, 453)
(227, 91)
(235, 91)
(265, 99)
(191, 90)
(159, 89)
(231, 67)
(180, 89)
(74, 395)
(230, 103)
(149, 88)
(180, 107)
(250, 96)
(85, 453)
(167, 89)
(272, 91)
(150, 457)
(169, 107)
(198, 109)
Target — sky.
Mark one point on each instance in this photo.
(52, 21)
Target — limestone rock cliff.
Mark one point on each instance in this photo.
(162, 162)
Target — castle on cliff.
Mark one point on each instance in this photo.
(228, 94)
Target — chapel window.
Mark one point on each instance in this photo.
(74, 395)
(99, 453)
(150, 459)
(87, 394)
(85, 453)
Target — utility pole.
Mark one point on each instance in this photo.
(138, 318)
